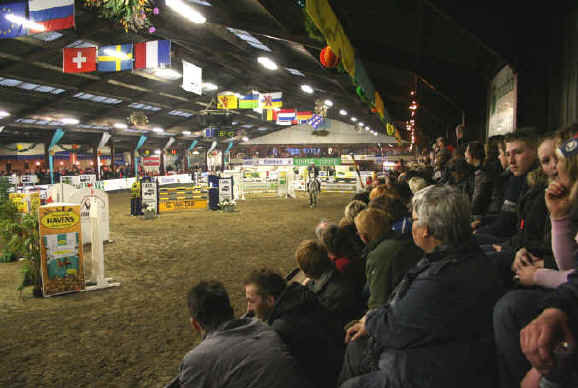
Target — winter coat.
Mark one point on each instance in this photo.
(499, 178)
(241, 353)
(313, 337)
(388, 259)
(339, 294)
(436, 330)
(482, 194)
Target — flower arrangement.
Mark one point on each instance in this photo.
(227, 205)
(149, 211)
(133, 15)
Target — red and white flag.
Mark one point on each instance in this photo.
(79, 60)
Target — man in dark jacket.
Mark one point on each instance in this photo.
(234, 353)
(482, 194)
(436, 329)
(522, 156)
(294, 312)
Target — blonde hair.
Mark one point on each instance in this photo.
(416, 183)
(352, 209)
(373, 223)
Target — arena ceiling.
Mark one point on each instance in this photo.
(448, 49)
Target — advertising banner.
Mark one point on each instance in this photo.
(61, 260)
(185, 204)
(503, 101)
(149, 195)
(225, 189)
(318, 161)
(151, 161)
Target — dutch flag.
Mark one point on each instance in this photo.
(156, 53)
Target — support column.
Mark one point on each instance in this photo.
(112, 149)
(162, 167)
(46, 155)
(95, 162)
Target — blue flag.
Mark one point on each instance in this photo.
(8, 28)
(115, 58)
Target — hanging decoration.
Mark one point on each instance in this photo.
(133, 15)
(410, 125)
(328, 58)
(138, 119)
(19, 148)
(320, 108)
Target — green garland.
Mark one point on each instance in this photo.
(133, 15)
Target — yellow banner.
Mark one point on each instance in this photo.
(379, 105)
(20, 201)
(227, 101)
(327, 22)
(170, 206)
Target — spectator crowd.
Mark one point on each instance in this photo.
(458, 273)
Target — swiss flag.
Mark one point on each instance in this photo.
(79, 60)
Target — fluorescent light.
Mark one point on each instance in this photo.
(186, 133)
(195, 152)
(360, 124)
(117, 54)
(353, 119)
(343, 112)
(187, 11)
(374, 133)
(69, 121)
(307, 89)
(4, 114)
(367, 128)
(245, 138)
(329, 103)
(209, 86)
(168, 74)
(158, 130)
(267, 63)
(25, 22)
(158, 152)
(120, 126)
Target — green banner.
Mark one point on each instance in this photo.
(318, 161)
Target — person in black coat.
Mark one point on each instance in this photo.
(311, 334)
(482, 184)
(338, 293)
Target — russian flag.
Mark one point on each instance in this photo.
(152, 54)
(52, 14)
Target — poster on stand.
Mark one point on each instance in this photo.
(61, 259)
(149, 195)
(225, 189)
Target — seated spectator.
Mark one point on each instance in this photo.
(482, 183)
(344, 248)
(397, 212)
(302, 322)
(430, 333)
(519, 307)
(496, 165)
(339, 294)
(417, 183)
(388, 255)
(521, 149)
(461, 175)
(233, 352)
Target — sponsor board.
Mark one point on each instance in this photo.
(186, 204)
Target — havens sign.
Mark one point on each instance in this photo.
(60, 219)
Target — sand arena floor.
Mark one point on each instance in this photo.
(135, 335)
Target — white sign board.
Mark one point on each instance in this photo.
(503, 102)
(149, 195)
(83, 197)
(225, 189)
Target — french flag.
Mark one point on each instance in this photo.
(152, 54)
(52, 14)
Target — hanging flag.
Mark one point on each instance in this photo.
(79, 60)
(227, 101)
(169, 143)
(315, 121)
(149, 55)
(303, 117)
(250, 101)
(209, 132)
(271, 100)
(52, 14)
(258, 108)
(285, 116)
(271, 114)
(115, 58)
(9, 29)
(104, 139)
(192, 78)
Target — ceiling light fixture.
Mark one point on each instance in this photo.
(120, 126)
(187, 11)
(360, 124)
(158, 130)
(374, 133)
(245, 138)
(329, 103)
(186, 133)
(25, 22)
(4, 114)
(158, 152)
(343, 112)
(307, 89)
(69, 121)
(209, 86)
(267, 63)
(353, 119)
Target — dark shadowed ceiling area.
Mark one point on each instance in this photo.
(445, 50)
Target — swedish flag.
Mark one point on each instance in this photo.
(115, 58)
